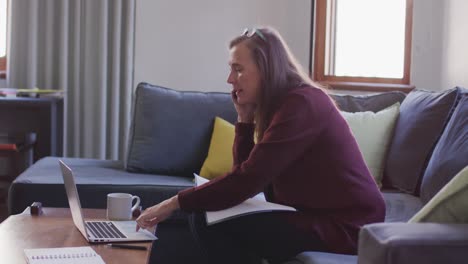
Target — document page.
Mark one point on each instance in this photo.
(256, 204)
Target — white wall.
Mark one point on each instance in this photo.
(455, 47)
(440, 56)
(3, 83)
(428, 21)
(183, 44)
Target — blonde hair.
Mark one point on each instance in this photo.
(279, 69)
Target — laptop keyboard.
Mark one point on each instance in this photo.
(104, 230)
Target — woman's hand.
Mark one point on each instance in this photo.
(157, 213)
(245, 112)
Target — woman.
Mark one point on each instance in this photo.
(306, 157)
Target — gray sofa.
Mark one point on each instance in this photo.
(170, 135)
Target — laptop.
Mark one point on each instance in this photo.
(99, 231)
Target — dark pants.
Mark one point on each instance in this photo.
(251, 238)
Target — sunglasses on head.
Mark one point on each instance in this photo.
(251, 32)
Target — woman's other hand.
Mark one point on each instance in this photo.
(157, 213)
(245, 112)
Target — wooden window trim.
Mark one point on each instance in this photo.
(3, 67)
(3, 60)
(359, 83)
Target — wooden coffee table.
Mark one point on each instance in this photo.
(55, 228)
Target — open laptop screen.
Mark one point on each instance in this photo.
(73, 198)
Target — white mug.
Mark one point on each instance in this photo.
(119, 206)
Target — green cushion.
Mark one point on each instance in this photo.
(373, 133)
(449, 205)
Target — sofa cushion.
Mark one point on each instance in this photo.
(373, 102)
(314, 257)
(450, 154)
(449, 205)
(423, 115)
(171, 130)
(219, 160)
(43, 182)
(373, 133)
(400, 207)
(413, 243)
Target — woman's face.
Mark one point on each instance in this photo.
(244, 75)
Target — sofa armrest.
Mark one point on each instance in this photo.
(388, 243)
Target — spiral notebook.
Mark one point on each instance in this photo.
(64, 255)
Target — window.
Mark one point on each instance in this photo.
(363, 44)
(3, 35)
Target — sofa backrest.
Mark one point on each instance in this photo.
(372, 102)
(171, 130)
(423, 115)
(450, 155)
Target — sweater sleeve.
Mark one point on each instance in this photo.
(243, 143)
(293, 128)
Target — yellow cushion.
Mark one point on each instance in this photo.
(219, 160)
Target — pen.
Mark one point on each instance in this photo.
(127, 246)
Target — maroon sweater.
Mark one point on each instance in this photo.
(311, 161)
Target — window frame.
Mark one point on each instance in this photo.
(358, 83)
(3, 67)
(3, 60)
(3, 63)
